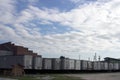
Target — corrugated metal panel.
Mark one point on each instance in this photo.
(110, 66)
(84, 65)
(71, 64)
(56, 64)
(116, 66)
(89, 65)
(37, 62)
(8, 61)
(64, 64)
(106, 65)
(47, 63)
(102, 65)
(77, 65)
(96, 65)
(28, 61)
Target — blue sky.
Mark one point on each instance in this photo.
(69, 27)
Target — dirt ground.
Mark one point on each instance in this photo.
(98, 76)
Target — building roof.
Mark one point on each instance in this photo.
(108, 59)
(15, 49)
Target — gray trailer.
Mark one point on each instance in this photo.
(84, 64)
(102, 63)
(28, 61)
(55, 64)
(110, 66)
(96, 65)
(6, 62)
(37, 62)
(89, 65)
(105, 65)
(71, 64)
(64, 64)
(47, 64)
(116, 66)
(77, 65)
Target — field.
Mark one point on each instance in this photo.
(42, 77)
(85, 76)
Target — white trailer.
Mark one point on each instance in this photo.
(116, 66)
(110, 66)
(89, 65)
(64, 64)
(37, 62)
(77, 65)
(84, 65)
(71, 64)
(47, 64)
(55, 64)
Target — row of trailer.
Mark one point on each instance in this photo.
(39, 63)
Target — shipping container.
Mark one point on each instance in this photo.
(64, 64)
(84, 65)
(116, 66)
(110, 66)
(96, 65)
(71, 64)
(47, 63)
(55, 64)
(77, 65)
(37, 62)
(8, 61)
(102, 65)
(106, 66)
(28, 61)
(89, 65)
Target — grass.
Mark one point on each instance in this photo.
(44, 77)
(62, 77)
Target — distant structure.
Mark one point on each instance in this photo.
(99, 58)
(14, 59)
(12, 49)
(108, 59)
(95, 57)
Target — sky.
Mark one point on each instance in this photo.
(71, 28)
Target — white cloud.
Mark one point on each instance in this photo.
(98, 27)
(7, 11)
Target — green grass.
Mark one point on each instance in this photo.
(43, 76)
(62, 77)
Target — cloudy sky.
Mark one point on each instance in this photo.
(63, 27)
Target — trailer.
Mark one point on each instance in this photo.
(71, 64)
(84, 65)
(110, 66)
(116, 66)
(47, 64)
(37, 62)
(64, 64)
(96, 65)
(77, 65)
(55, 64)
(6, 62)
(89, 65)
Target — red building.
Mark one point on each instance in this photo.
(12, 49)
